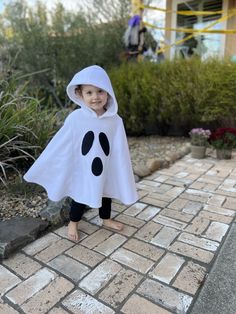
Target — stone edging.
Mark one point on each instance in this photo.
(154, 164)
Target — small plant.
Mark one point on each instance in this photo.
(25, 127)
(199, 136)
(223, 138)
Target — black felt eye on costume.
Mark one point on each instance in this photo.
(104, 143)
(87, 142)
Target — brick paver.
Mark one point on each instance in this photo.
(8, 280)
(84, 255)
(167, 268)
(26, 289)
(144, 249)
(69, 267)
(100, 276)
(165, 237)
(139, 305)
(46, 298)
(164, 295)
(80, 302)
(190, 278)
(22, 265)
(132, 260)
(5, 308)
(123, 284)
(156, 265)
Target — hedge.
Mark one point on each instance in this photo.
(172, 97)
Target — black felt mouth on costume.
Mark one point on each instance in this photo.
(97, 166)
(87, 143)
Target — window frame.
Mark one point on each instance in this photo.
(175, 4)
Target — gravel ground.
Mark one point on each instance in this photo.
(147, 154)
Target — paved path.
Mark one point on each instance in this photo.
(157, 264)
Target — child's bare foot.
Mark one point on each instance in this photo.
(112, 224)
(73, 231)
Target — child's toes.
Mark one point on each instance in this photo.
(109, 223)
(119, 226)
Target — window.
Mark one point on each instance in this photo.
(205, 44)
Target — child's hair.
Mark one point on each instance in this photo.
(78, 89)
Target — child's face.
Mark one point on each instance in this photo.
(94, 97)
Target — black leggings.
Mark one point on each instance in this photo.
(77, 210)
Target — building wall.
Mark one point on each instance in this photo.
(230, 41)
(230, 44)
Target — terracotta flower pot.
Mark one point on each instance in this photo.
(198, 152)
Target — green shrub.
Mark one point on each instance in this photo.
(24, 126)
(175, 96)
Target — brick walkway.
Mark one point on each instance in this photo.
(157, 264)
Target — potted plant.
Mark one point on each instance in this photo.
(223, 140)
(199, 141)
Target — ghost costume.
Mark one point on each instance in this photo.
(88, 158)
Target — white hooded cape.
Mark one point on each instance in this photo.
(88, 158)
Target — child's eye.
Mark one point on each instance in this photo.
(101, 91)
(89, 93)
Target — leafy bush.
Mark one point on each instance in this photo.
(24, 126)
(223, 138)
(176, 96)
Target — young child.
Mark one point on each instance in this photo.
(88, 158)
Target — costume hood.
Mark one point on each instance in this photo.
(96, 76)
